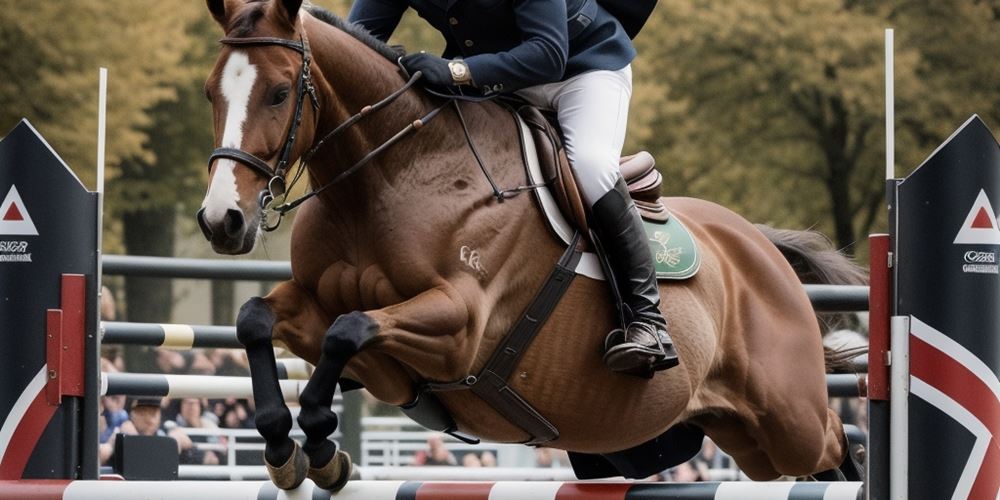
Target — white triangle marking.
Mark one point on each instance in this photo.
(976, 235)
(21, 227)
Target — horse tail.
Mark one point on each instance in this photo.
(817, 262)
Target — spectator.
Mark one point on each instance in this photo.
(690, 471)
(471, 460)
(144, 420)
(168, 361)
(193, 415)
(488, 459)
(108, 308)
(712, 457)
(235, 416)
(435, 454)
(551, 457)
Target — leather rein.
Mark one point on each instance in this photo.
(273, 200)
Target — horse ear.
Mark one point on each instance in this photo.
(291, 9)
(218, 10)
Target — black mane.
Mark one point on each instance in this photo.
(356, 31)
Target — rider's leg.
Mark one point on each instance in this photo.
(593, 112)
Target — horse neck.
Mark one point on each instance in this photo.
(354, 76)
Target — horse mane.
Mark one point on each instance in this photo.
(356, 31)
(244, 24)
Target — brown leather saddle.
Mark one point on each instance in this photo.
(644, 181)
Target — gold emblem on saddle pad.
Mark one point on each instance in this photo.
(675, 253)
(670, 256)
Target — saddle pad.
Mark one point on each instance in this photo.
(674, 249)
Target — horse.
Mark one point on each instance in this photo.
(385, 293)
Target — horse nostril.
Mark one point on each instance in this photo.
(207, 231)
(234, 223)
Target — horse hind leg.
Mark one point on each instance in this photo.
(285, 460)
(330, 468)
(733, 437)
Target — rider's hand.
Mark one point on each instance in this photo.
(434, 68)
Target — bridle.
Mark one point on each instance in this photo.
(276, 187)
(273, 200)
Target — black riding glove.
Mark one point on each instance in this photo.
(434, 68)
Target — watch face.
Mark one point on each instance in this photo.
(458, 70)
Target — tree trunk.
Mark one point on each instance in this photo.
(148, 232)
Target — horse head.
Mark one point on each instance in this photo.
(258, 90)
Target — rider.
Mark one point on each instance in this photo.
(574, 57)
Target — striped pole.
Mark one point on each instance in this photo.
(170, 336)
(413, 490)
(189, 386)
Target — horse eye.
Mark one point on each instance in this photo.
(279, 97)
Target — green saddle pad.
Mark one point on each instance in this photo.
(674, 250)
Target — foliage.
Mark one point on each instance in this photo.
(771, 107)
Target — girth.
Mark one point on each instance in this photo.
(491, 384)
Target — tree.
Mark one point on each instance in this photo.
(779, 105)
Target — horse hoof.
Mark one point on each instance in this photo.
(291, 474)
(334, 475)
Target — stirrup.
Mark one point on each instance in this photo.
(638, 359)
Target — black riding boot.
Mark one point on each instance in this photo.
(644, 346)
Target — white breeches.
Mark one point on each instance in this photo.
(593, 112)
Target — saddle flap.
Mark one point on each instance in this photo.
(555, 166)
(638, 170)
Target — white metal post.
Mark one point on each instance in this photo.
(899, 392)
(890, 108)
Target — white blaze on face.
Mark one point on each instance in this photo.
(238, 77)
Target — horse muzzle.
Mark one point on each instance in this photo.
(229, 234)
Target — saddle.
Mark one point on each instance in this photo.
(644, 181)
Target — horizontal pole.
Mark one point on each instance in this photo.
(189, 386)
(172, 336)
(824, 297)
(838, 298)
(846, 385)
(391, 490)
(174, 267)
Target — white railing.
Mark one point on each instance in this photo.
(388, 447)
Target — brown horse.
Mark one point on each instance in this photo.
(384, 293)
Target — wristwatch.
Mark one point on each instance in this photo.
(460, 72)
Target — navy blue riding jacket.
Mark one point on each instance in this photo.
(513, 44)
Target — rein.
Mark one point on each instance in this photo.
(273, 200)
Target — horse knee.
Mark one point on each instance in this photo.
(254, 323)
(317, 419)
(348, 334)
(273, 423)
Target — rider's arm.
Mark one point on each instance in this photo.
(539, 58)
(379, 17)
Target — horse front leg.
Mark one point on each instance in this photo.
(435, 317)
(286, 463)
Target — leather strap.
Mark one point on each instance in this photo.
(247, 159)
(491, 383)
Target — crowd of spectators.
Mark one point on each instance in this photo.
(169, 417)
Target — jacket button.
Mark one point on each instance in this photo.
(452, 21)
(469, 43)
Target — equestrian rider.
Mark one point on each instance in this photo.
(573, 57)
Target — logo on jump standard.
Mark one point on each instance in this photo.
(980, 228)
(15, 221)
